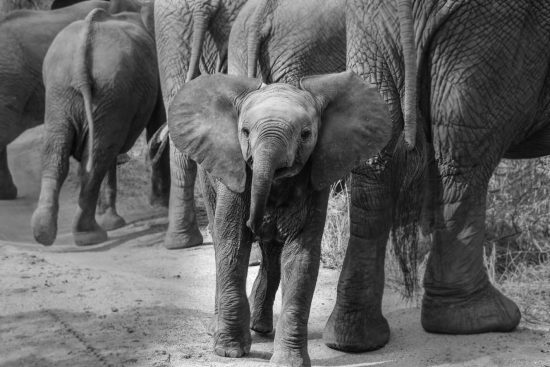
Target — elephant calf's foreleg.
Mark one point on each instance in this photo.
(8, 191)
(232, 242)
(107, 215)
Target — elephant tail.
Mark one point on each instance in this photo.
(254, 36)
(408, 43)
(82, 80)
(201, 17)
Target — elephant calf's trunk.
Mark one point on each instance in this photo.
(263, 170)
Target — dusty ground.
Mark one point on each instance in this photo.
(130, 302)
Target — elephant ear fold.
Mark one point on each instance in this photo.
(355, 125)
(202, 120)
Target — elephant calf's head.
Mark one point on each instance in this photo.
(224, 123)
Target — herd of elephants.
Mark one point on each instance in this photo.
(271, 102)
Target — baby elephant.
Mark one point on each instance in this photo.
(268, 154)
(101, 81)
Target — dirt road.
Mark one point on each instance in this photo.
(130, 302)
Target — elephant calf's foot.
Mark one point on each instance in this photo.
(8, 191)
(110, 220)
(86, 237)
(355, 331)
(262, 324)
(183, 239)
(226, 345)
(484, 311)
(291, 358)
(44, 225)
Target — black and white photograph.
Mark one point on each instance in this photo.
(290, 183)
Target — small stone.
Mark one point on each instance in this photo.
(114, 309)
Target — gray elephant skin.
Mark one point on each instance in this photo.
(102, 90)
(192, 36)
(25, 36)
(270, 154)
(282, 41)
(483, 96)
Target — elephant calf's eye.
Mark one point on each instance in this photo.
(245, 132)
(305, 134)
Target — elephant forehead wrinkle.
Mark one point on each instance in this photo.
(277, 112)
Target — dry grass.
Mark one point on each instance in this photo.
(517, 244)
(336, 234)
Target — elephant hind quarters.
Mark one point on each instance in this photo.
(8, 190)
(487, 310)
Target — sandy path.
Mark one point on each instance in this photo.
(130, 302)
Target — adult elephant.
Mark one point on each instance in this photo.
(25, 36)
(270, 154)
(191, 35)
(57, 4)
(483, 95)
(284, 41)
(91, 116)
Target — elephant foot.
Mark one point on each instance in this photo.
(44, 225)
(183, 239)
(356, 331)
(110, 220)
(255, 255)
(291, 358)
(487, 310)
(227, 345)
(90, 237)
(262, 324)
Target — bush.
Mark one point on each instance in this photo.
(518, 222)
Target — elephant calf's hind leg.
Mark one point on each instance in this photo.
(86, 231)
(265, 288)
(108, 217)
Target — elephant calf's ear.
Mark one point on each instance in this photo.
(355, 125)
(202, 121)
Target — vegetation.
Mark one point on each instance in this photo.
(517, 241)
(9, 5)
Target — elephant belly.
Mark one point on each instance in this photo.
(536, 145)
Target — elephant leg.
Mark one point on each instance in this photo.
(356, 323)
(232, 242)
(459, 298)
(160, 173)
(86, 230)
(209, 197)
(265, 288)
(8, 191)
(107, 215)
(183, 230)
(58, 141)
(300, 260)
